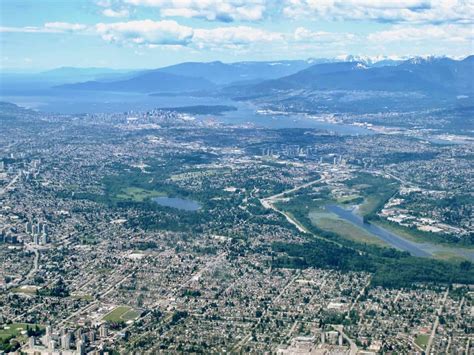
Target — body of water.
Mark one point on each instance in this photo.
(76, 102)
(179, 203)
(247, 113)
(395, 240)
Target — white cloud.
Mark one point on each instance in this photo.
(233, 37)
(104, 3)
(152, 34)
(64, 26)
(403, 11)
(448, 33)
(49, 27)
(167, 32)
(26, 29)
(116, 13)
(213, 10)
(146, 32)
(302, 34)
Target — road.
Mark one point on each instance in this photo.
(404, 182)
(94, 303)
(268, 202)
(353, 346)
(193, 278)
(34, 269)
(245, 339)
(362, 292)
(289, 218)
(294, 189)
(10, 184)
(436, 323)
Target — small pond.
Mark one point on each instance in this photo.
(176, 202)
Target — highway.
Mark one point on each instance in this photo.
(10, 184)
(294, 189)
(34, 269)
(268, 202)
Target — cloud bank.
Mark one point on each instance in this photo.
(146, 32)
(212, 10)
(393, 11)
(244, 24)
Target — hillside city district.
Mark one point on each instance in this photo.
(93, 263)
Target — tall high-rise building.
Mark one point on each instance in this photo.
(103, 331)
(31, 342)
(52, 345)
(78, 334)
(48, 336)
(66, 341)
(92, 335)
(80, 347)
(28, 227)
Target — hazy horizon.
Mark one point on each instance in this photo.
(375, 59)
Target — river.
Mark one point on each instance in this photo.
(395, 240)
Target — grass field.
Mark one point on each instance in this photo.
(374, 189)
(83, 297)
(332, 223)
(137, 194)
(348, 199)
(369, 204)
(13, 330)
(130, 315)
(121, 314)
(449, 256)
(30, 290)
(422, 340)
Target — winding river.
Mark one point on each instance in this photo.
(396, 241)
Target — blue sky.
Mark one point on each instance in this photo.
(37, 35)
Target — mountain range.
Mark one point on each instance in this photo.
(435, 75)
(195, 76)
(147, 82)
(440, 76)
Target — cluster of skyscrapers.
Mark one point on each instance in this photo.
(39, 231)
(65, 341)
